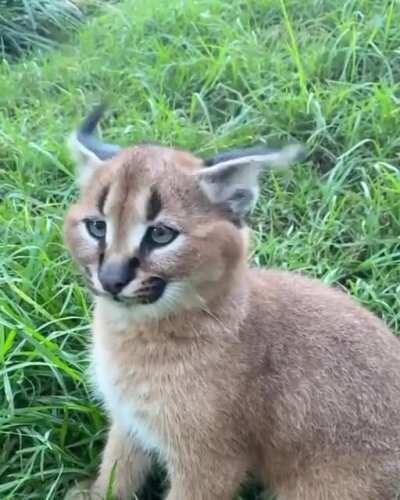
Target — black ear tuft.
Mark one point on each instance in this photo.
(89, 124)
(85, 135)
(232, 154)
(89, 151)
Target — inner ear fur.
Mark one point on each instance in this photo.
(231, 179)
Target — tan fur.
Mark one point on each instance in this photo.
(245, 371)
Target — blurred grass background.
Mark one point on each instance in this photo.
(36, 24)
(205, 75)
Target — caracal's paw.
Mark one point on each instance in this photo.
(84, 491)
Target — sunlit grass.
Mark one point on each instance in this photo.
(204, 75)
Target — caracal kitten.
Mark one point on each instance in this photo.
(214, 367)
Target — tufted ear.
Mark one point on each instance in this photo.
(231, 179)
(89, 152)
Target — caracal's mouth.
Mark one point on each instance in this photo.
(151, 291)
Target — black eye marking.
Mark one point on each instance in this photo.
(134, 264)
(101, 260)
(102, 199)
(96, 228)
(154, 205)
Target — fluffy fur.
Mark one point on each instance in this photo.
(233, 370)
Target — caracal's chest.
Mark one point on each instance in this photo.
(135, 395)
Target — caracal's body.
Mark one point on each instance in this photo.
(216, 369)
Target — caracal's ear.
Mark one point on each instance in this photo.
(231, 179)
(89, 152)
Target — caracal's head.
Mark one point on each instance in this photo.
(156, 230)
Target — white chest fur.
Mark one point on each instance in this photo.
(129, 398)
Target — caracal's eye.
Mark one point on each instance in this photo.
(96, 228)
(162, 235)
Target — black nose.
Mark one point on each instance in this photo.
(114, 275)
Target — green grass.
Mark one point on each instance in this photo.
(205, 75)
(28, 24)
